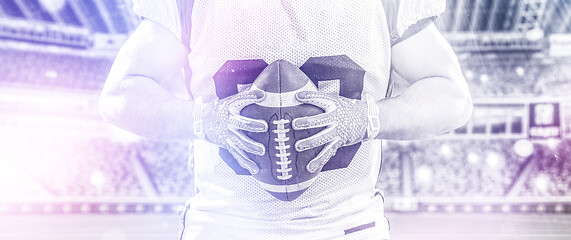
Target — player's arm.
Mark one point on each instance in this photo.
(133, 97)
(438, 99)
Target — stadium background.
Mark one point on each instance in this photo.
(65, 174)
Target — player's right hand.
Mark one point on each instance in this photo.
(222, 123)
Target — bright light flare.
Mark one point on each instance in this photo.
(520, 71)
(446, 151)
(53, 6)
(552, 143)
(523, 148)
(424, 174)
(473, 158)
(494, 160)
(98, 179)
(541, 183)
(484, 78)
(469, 75)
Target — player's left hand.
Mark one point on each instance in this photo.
(346, 122)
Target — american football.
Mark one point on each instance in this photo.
(282, 169)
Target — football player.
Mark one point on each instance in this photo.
(348, 48)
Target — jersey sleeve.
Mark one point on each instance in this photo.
(164, 12)
(405, 14)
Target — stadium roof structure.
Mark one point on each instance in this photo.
(553, 16)
(500, 25)
(470, 25)
(99, 16)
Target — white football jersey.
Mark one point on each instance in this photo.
(344, 46)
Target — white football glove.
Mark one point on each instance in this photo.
(346, 121)
(220, 123)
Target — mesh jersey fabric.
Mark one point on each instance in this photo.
(401, 14)
(350, 35)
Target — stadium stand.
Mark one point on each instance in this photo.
(166, 164)
(391, 172)
(513, 75)
(93, 166)
(499, 57)
(551, 175)
(470, 168)
(53, 71)
(72, 167)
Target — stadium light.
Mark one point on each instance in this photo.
(139, 208)
(121, 208)
(97, 179)
(104, 208)
(552, 143)
(494, 160)
(424, 174)
(520, 71)
(484, 78)
(473, 158)
(523, 148)
(469, 74)
(506, 208)
(158, 208)
(446, 151)
(431, 208)
(53, 6)
(450, 208)
(468, 208)
(559, 208)
(51, 74)
(534, 34)
(487, 208)
(85, 208)
(541, 183)
(541, 208)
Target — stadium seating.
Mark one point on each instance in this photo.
(390, 182)
(166, 165)
(83, 166)
(53, 71)
(86, 167)
(468, 168)
(551, 175)
(502, 76)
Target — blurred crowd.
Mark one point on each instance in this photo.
(166, 165)
(78, 166)
(471, 168)
(488, 75)
(52, 71)
(550, 172)
(90, 167)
